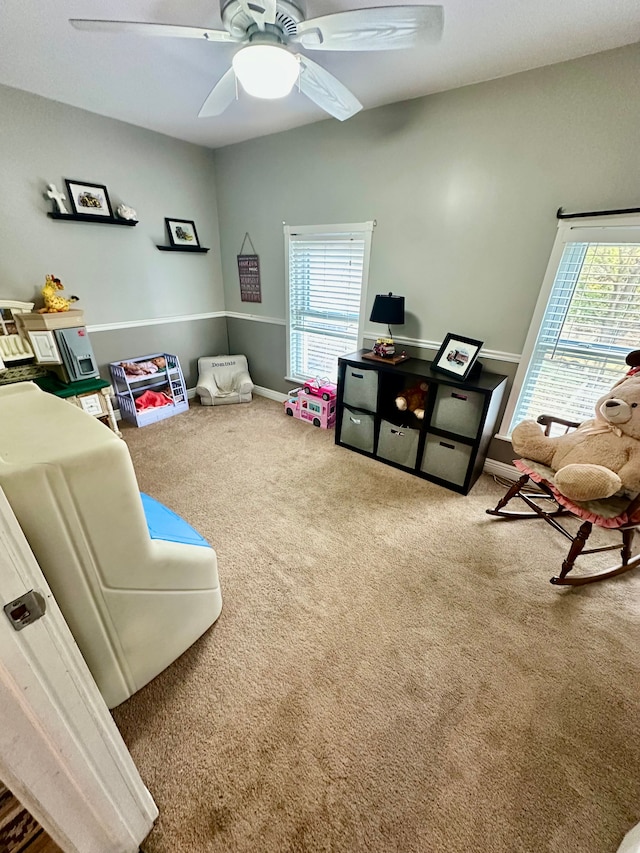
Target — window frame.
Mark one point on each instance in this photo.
(605, 229)
(366, 230)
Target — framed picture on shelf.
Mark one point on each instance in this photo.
(88, 198)
(182, 232)
(457, 355)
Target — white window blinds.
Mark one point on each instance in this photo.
(327, 273)
(591, 322)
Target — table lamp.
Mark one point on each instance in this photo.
(388, 309)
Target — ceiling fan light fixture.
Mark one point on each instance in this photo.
(266, 70)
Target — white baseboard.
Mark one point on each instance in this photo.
(257, 389)
(501, 469)
(267, 392)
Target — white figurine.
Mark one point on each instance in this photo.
(59, 198)
(126, 212)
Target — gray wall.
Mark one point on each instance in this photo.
(464, 186)
(117, 272)
(267, 339)
(189, 340)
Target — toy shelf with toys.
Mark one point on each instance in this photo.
(314, 403)
(149, 388)
(410, 416)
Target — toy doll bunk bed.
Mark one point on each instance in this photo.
(136, 585)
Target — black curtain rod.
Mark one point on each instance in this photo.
(561, 215)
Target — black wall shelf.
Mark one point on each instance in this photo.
(87, 217)
(194, 249)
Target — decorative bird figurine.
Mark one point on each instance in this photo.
(52, 302)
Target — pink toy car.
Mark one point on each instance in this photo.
(321, 388)
(320, 413)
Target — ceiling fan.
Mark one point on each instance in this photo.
(266, 29)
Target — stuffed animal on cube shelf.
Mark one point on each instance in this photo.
(602, 456)
(413, 399)
(53, 302)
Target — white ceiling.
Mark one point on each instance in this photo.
(161, 83)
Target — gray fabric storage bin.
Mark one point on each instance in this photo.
(458, 411)
(446, 459)
(360, 388)
(357, 429)
(398, 444)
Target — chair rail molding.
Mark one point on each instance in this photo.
(496, 355)
(420, 343)
(257, 318)
(153, 321)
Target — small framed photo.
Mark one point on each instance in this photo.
(88, 198)
(457, 355)
(182, 232)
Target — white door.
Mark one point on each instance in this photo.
(60, 751)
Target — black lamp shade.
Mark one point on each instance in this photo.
(388, 309)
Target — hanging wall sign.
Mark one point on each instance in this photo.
(249, 274)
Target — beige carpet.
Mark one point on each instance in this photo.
(392, 670)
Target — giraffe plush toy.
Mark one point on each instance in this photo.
(52, 302)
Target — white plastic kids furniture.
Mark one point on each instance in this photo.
(14, 343)
(135, 583)
(223, 379)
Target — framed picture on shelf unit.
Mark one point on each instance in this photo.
(89, 198)
(457, 355)
(182, 232)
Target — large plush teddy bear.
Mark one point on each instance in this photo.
(602, 456)
(413, 399)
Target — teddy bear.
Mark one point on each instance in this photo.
(413, 399)
(602, 456)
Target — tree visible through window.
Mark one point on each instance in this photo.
(591, 322)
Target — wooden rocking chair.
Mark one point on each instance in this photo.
(536, 489)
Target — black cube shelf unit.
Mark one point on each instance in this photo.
(449, 446)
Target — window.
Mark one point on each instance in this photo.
(327, 272)
(586, 321)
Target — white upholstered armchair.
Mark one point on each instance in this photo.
(223, 379)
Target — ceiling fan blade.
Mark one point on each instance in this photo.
(261, 11)
(378, 28)
(326, 91)
(219, 98)
(146, 29)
